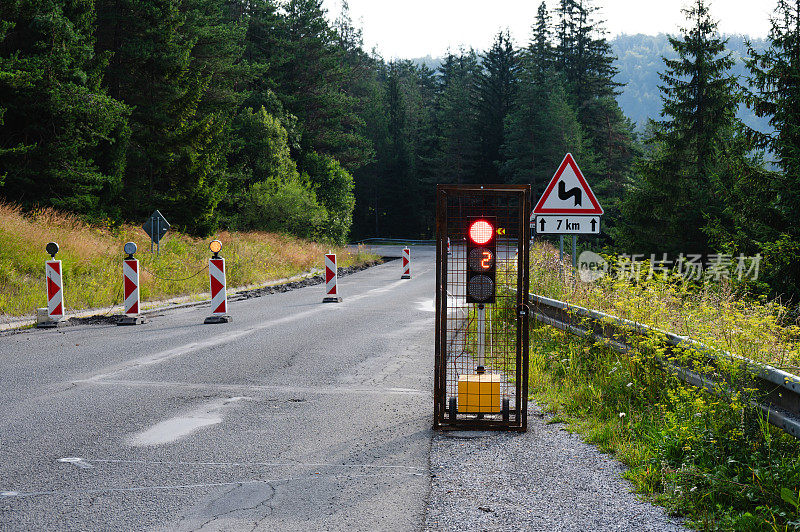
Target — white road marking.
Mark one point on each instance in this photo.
(259, 464)
(311, 478)
(274, 389)
(77, 462)
(229, 336)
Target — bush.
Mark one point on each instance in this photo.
(334, 187)
(286, 207)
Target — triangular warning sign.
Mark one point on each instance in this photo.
(568, 192)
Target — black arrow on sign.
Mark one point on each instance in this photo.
(593, 224)
(541, 222)
(564, 194)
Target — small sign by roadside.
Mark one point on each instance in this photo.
(156, 227)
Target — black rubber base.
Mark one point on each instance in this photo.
(218, 319)
(337, 299)
(405, 277)
(132, 320)
(49, 324)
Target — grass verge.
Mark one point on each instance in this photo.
(92, 260)
(711, 458)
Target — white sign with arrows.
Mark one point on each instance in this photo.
(567, 225)
(568, 205)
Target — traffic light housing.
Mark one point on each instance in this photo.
(481, 260)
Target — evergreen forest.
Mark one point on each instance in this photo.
(271, 115)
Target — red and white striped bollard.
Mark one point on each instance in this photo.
(130, 288)
(406, 264)
(55, 290)
(54, 312)
(219, 295)
(331, 276)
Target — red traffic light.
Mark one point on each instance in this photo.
(481, 232)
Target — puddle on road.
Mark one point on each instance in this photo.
(426, 305)
(178, 427)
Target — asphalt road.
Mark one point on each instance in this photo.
(298, 415)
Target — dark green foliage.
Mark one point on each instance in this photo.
(395, 192)
(543, 126)
(334, 190)
(775, 78)
(639, 62)
(263, 114)
(497, 86)
(457, 119)
(62, 138)
(171, 63)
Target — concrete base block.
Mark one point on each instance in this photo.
(49, 324)
(218, 319)
(132, 320)
(331, 299)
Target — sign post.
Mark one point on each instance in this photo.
(156, 227)
(567, 207)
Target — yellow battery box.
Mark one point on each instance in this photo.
(479, 393)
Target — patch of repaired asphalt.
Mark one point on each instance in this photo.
(545, 479)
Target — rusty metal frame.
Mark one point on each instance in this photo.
(514, 194)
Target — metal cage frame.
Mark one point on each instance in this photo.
(513, 204)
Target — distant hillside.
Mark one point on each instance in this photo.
(639, 61)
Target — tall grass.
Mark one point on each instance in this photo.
(713, 313)
(92, 258)
(712, 458)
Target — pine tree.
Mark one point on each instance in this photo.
(496, 85)
(676, 190)
(176, 160)
(542, 126)
(775, 75)
(763, 208)
(312, 78)
(62, 138)
(457, 119)
(586, 61)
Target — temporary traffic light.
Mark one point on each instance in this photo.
(481, 252)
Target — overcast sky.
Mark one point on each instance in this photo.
(416, 28)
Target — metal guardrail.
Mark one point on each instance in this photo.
(399, 241)
(778, 391)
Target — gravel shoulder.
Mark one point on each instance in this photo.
(545, 479)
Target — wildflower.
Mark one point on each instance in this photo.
(564, 360)
(622, 415)
(694, 488)
(629, 384)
